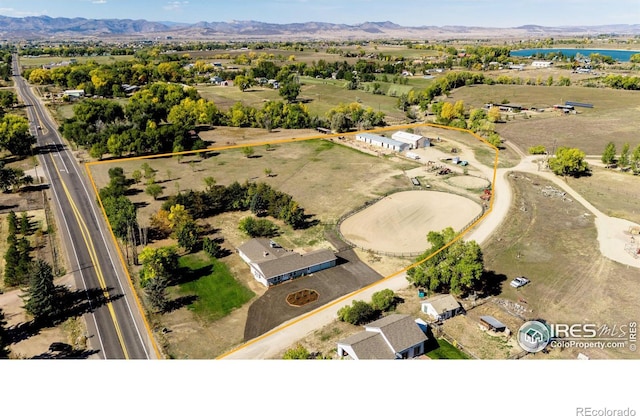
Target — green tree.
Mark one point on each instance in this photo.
(537, 150)
(290, 88)
(212, 248)
(41, 300)
(248, 151)
(25, 225)
(12, 223)
(156, 291)
(360, 312)
(242, 82)
(623, 161)
(154, 190)
(456, 268)
(187, 235)
(15, 135)
(136, 175)
(4, 337)
(609, 154)
(569, 162)
(383, 300)
(635, 159)
(299, 352)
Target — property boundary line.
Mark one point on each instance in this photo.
(88, 166)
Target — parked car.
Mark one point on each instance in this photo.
(519, 281)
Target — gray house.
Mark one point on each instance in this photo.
(392, 337)
(271, 264)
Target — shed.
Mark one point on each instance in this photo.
(492, 323)
(414, 141)
(441, 307)
(415, 181)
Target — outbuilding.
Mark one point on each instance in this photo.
(414, 141)
(441, 307)
(382, 141)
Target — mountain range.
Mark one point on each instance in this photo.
(60, 28)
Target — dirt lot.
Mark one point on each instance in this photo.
(400, 222)
(553, 243)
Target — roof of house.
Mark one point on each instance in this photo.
(369, 345)
(443, 303)
(273, 260)
(493, 322)
(401, 331)
(383, 338)
(382, 139)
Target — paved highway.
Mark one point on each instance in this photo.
(115, 325)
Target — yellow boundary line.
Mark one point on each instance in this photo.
(284, 141)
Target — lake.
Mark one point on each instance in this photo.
(622, 56)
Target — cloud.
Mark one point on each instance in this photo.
(11, 12)
(175, 5)
(99, 2)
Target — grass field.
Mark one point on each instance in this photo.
(612, 192)
(553, 243)
(615, 116)
(217, 292)
(446, 351)
(326, 178)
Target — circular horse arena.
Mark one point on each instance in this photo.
(400, 222)
(468, 182)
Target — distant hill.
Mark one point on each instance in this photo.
(45, 27)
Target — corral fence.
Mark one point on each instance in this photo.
(336, 226)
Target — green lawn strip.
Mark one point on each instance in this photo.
(446, 351)
(218, 292)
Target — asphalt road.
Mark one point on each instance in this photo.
(116, 327)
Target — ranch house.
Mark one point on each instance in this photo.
(414, 141)
(392, 337)
(382, 141)
(271, 264)
(441, 307)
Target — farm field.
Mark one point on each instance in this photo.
(614, 116)
(612, 192)
(553, 243)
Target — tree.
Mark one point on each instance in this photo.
(299, 352)
(360, 312)
(623, 161)
(290, 88)
(136, 175)
(154, 190)
(242, 82)
(456, 268)
(258, 227)
(569, 162)
(268, 172)
(212, 248)
(537, 150)
(157, 263)
(494, 139)
(635, 159)
(4, 337)
(187, 235)
(493, 114)
(41, 300)
(156, 291)
(15, 135)
(383, 300)
(609, 154)
(248, 151)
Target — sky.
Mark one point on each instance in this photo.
(485, 13)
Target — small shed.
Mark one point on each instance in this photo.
(492, 323)
(415, 181)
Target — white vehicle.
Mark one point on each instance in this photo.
(519, 281)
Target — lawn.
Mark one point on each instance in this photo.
(446, 351)
(218, 292)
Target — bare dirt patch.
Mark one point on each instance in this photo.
(302, 297)
(468, 182)
(400, 222)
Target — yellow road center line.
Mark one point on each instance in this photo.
(94, 258)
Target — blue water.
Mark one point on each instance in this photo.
(622, 56)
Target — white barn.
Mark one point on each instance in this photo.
(415, 141)
(382, 141)
(271, 264)
(541, 64)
